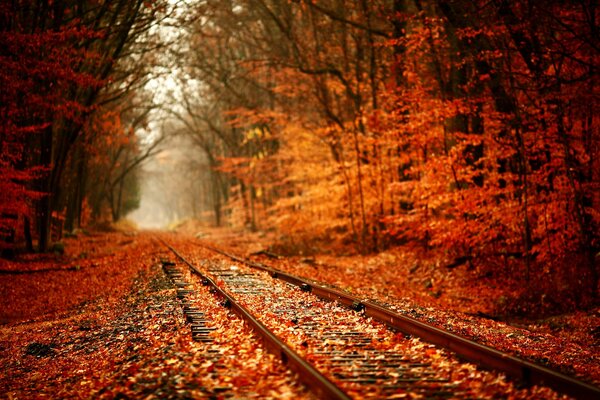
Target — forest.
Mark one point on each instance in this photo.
(465, 130)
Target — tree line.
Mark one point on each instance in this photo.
(71, 101)
(464, 127)
(468, 127)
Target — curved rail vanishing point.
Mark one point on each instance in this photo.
(484, 356)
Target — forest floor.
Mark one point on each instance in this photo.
(73, 325)
(103, 321)
(458, 299)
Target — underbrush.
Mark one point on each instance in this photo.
(500, 287)
(122, 225)
(539, 290)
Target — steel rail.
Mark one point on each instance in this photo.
(322, 387)
(487, 357)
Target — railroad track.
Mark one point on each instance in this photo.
(340, 346)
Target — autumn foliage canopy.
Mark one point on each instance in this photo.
(63, 74)
(467, 128)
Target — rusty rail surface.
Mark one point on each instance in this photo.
(322, 387)
(487, 357)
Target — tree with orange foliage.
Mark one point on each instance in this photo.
(467, 128)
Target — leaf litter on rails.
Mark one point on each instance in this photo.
(567, 343)
(129, 341)
(282, 308)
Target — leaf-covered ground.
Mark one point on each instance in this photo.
(453, 299)
(74, 325)
(113, 328)
(304, 322)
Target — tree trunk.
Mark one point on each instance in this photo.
(252, 194)
(27, 234)
(44, 184)
(216, 196)
(76, 194)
